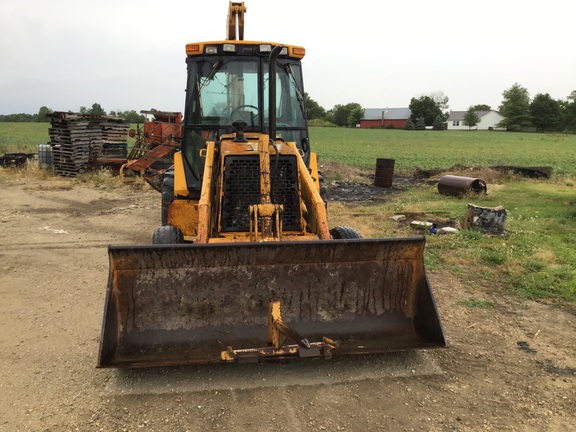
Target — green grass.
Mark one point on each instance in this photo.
(443, 149)
(535, 259)
(25, 137)
(22, 137)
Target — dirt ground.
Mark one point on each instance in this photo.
(507, 367)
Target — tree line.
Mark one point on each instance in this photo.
(541, 113)
(44, 113)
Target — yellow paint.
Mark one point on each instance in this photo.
(205, 203)
(180, 187)
(317, 218)
(184, 215)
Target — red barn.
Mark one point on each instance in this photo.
(385, 117)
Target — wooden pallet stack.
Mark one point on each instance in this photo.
(78, 140)
(114, 138)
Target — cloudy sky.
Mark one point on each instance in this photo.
(129, 54)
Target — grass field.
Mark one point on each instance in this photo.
(410, 149)
(443, 149)
(23, 137)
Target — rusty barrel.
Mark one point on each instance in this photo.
(457, 185)
(185, 304)
(384, 172)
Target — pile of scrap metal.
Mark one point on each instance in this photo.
(526, 171)
(156, 142)
(15, 159)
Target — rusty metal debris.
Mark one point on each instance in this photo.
(15, 159)
(156, 142)
(384, 175)
(457, 185)
(526, 171)
(485, 219)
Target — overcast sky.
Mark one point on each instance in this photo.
(128, 54)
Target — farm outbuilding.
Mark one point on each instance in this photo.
(488, 120)
(385, 117)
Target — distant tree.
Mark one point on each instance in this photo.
(471, 118)
(96, 110)
(43, 113)
(516, 108)
(131, 116)
(421, 124)
(481, 107)
(546, 113)
(337, 115)
(426, 108)
(409, 125)
(22, 117)
(438, 123)
(83, 110)
(313, 109)
(441, 102)
(570, 112)
(346, 115)
(356, 113)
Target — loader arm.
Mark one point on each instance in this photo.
(205, 205)
(236, 21)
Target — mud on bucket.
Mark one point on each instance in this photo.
(384, 172)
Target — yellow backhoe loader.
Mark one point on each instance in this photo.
(245, 267)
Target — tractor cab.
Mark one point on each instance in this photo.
(229, 85)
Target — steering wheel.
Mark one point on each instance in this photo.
(238, 108)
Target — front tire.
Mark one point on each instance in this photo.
(167, 234)
(345, 232)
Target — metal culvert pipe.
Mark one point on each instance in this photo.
(456, 185)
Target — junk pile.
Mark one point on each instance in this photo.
(156, 142)
(15, 159)
(78, 140)
(487, 220)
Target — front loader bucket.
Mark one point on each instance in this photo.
(187, 304)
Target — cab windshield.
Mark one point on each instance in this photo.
(230, 90)
(221, 90)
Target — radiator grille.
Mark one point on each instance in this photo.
(242, 188)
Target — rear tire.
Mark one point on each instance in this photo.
(345, 232)
(167, 234)
(167, 194)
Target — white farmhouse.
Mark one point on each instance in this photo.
(488, 120)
